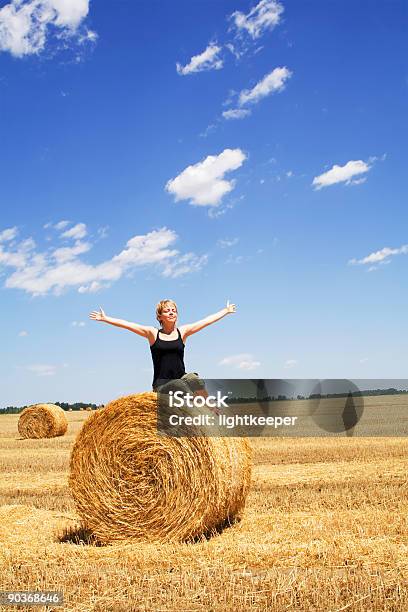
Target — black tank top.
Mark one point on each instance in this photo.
(168, 359)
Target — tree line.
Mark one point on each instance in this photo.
(281, 398)
(63, 405)
(233, 400)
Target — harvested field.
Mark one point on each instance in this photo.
(325, 528)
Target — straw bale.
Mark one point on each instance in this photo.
(131, 483)
(42, 421)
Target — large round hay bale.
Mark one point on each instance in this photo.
(131, 483)
(42, 421)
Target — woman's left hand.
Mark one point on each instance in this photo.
(230, 307)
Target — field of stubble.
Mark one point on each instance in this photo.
(325, 528)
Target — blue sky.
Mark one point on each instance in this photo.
(201, 151)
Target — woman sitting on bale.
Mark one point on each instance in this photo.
(167, 344)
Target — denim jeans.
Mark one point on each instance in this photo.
(188, 383)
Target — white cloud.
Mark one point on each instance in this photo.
(58, 226)
(374, 158)
(237, 53)
(359, 181)
(242, 361)
(237, 259)
(227, 242)
(341, 174)
(264, 16)
(18, 257)
(271, 83)
(184, 265)
(207, 60)
(54, 271)
(25, 25)
(23, 333)
(69, 13)
(217, 211)
(236, 113)
(61, 224)
(90, 35)
(103, 231)
(78, 324)
(93, 287)
(41, 369)
(204, 183)
(78, 231)
(290, 363)
(381, 257)
(210, 128)
(8, 234)
(231, 96)
(64, 254)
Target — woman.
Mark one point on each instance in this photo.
(167, 344)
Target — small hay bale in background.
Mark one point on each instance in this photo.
(42, 421)
(131, 483)
(88, 408)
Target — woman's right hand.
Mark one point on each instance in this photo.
(98, 315)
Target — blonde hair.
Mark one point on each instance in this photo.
(160, 307)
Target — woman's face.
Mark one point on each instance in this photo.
(169, 314)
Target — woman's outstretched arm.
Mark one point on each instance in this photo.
(192, 328)
(141, 330)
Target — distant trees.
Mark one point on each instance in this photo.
(63, 405)
(76, 406)
(11, 410)
(314, 396)
(232, 400)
